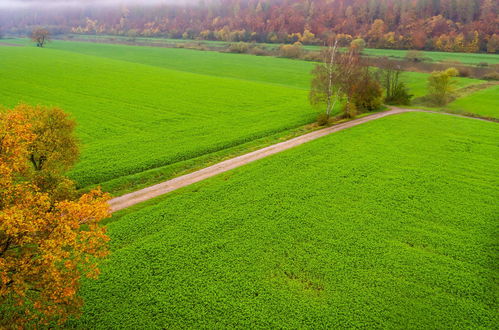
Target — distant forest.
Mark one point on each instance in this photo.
(444, 25)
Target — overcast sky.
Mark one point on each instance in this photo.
(45, 3)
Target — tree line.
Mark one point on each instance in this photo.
(445, 25)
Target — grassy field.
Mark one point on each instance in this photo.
(134, 117)
(391, 224)
(484, 102)
(140, 109)
(464, 58)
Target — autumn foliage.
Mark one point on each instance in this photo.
(40, 36)
(445, 25)
(46, 244)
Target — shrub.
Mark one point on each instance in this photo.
(240, 47)
(491, 76)
(312, 57)
(291, 51)
(441, 86)
(323, 119)
(358, 45)
(368, 95)
(415, 56)
(464, 72)
(400, 95)
(258, 51)
(349, 110)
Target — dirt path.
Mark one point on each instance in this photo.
(145, 194)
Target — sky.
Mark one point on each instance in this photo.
(64, 3)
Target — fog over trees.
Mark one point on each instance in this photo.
(444, 25)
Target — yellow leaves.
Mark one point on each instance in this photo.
(45, 246)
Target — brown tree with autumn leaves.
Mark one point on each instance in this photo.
(47, 242)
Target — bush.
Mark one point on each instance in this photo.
(349, 110)
(258, 51)
(491, 76)
(358, 45)
(312, 57)
(400, 95)
(368, 94)
(240, 47)
(291, 51)
(322, 119)
(464, 72)
(415, 56)
(441, 86)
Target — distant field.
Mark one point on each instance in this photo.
(464, 58)
(484, 102)
(391, 224)
(248, 67)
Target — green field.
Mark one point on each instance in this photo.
(144, 109)
(133, 117)
(391, 224)
(484, 102)
(256, 68)
(464, 58)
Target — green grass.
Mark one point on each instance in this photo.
(418, 82)
(248, 67)
(483, 102)
(391, 224)
(464, 58)
(134, 117)
(147, 113)
(280, 71)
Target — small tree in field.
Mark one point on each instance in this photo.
(46, 245)
(441, 86)
(40, 36)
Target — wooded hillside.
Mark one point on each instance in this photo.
(445, 25)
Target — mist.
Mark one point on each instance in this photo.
(27, 4)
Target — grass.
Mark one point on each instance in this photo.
(418, 82)
(483, 102)
(146, 114)
(464, 58)
(391, 224)
(134, 117)
(255, 68)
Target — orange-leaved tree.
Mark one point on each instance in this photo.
(46, 244)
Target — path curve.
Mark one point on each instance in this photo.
(159, 189)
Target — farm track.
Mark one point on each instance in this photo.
(128, 200)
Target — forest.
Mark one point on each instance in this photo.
(444, 25)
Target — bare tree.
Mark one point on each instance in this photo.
(40, 36)
(334, 78)
(325, 88)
